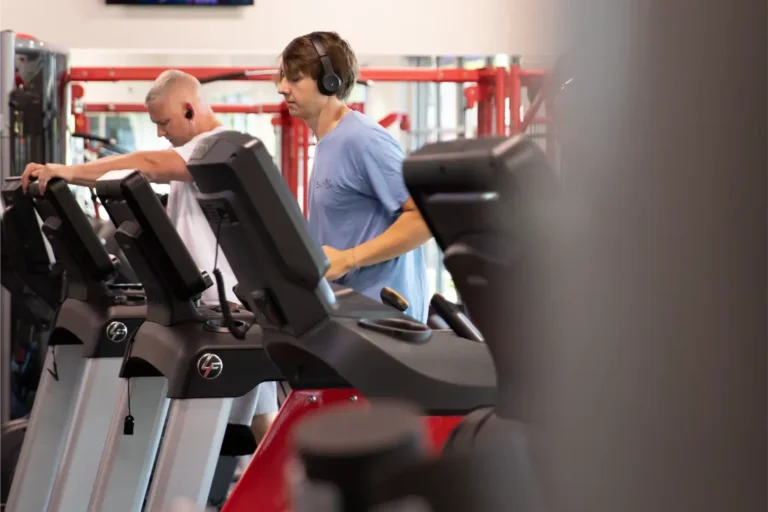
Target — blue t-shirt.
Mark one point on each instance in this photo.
(356, 192)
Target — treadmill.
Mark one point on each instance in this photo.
(184, 366)
(29, 276)
(28, 271)
(115, 312)
(79, 384)
(331, 343)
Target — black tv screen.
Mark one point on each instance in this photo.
(180, 2)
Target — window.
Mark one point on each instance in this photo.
(120, 129)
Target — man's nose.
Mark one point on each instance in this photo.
(160, 132)
(282, 87)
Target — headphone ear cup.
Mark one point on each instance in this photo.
(331, 84)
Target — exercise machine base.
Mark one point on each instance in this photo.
(49, 424)
(96, 397)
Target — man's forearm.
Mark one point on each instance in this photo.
(407, 233)
(149, 163)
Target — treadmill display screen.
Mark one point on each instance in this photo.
(467, 185)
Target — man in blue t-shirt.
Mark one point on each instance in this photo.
(359, 208)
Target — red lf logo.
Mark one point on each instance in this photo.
(209, 366)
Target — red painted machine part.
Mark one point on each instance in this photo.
(264, 484)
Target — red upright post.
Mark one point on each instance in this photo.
(484, 107)
(514, 86)
(500, 96)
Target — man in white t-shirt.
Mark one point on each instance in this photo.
(184, 118)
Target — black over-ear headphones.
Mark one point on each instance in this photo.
(328, 82)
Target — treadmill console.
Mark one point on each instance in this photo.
(25, 257)
(262, 231)
(483, 200)
(471, 185)
(170, 276)
(59, 211)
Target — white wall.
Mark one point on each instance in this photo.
(396, 27)
(133, 92)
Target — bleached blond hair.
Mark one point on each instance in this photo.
(169, 81)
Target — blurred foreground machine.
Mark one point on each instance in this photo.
(483, 201)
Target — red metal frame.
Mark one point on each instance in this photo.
(517, 80)
(514, 91)
(499, 98)
(403, 121)
(142, 74)
(264, 484)
(494, 87)
(544, 96)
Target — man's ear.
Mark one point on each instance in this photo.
(189, 112)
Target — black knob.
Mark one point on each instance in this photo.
(394, 299)
(350, 448)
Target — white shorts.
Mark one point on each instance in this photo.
(260, 400)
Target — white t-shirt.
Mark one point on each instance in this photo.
(194, 229)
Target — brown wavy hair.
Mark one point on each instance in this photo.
(300, 59)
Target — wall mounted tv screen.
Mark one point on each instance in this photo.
(181, 2)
